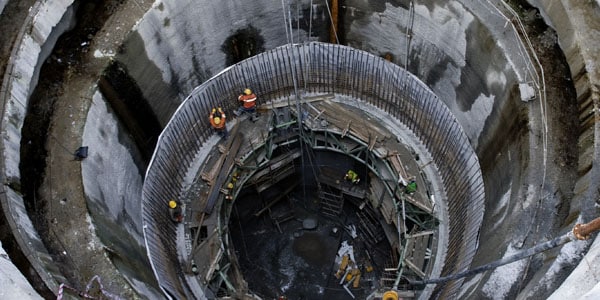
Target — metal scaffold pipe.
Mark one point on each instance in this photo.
(579, 232)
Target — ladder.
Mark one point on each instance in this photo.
(331, 204)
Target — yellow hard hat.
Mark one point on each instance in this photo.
(217, 120)
(172, 204)
(230, 185)
(247, 91)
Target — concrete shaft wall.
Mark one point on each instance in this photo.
(172, 50)
(577, 25)
(318, 68)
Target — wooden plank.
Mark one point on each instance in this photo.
(274, 164)
(398, 166)
(284, 102)
(276, 177)
(210, 176)
(360, 125)
(388, 211)
(279, 197)
(233, 145)
(417, 247)
(414, 268)
(424, 205)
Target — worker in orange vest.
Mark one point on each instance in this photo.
(248, 99)
(217, 120)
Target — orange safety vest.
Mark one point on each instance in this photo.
(249, 100)
(220, 125)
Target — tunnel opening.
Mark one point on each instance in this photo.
(242, 44)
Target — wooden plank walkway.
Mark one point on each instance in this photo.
(233, 145)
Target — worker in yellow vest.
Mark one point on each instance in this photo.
(352, 177)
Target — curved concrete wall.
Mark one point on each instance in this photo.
(577, 28)
(2, 4)
(321, 68)
(178, 45)
(172, 50)
(112, 177)
(46, 21)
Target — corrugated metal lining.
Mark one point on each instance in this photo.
(319, 68)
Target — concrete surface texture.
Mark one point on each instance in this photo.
(537, 158)
(13, 283)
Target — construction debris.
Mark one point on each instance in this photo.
(348, 267)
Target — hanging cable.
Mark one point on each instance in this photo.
(310, 21)
(298, 21)
(409, 27)
(287, 34)
(298, 112)
(290, 22)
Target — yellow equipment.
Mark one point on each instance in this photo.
(356, 280)
(390, 295)
(369, 267)
(343, 265)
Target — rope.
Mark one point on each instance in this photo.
(287, 34)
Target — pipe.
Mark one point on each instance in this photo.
(580, 232)
(583, 231)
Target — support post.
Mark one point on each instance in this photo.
(334, 22)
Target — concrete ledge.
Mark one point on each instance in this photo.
(46, 21)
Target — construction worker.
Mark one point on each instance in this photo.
(175, 211)
(411, 187)
(248, 99)
(217, 120)
(352, 176)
